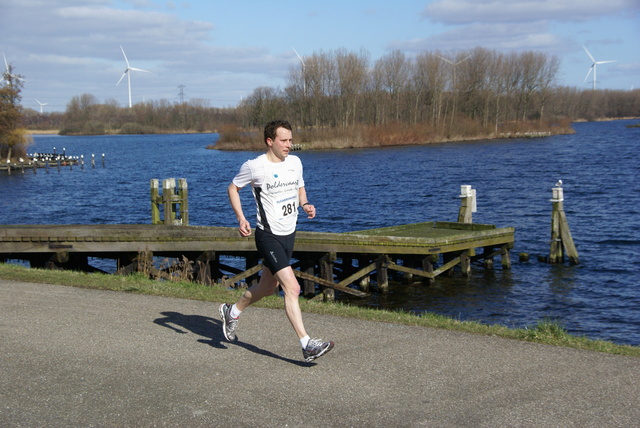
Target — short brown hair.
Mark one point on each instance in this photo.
(271, 128)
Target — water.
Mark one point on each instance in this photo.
(360, 189)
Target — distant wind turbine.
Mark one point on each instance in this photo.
(593, 67)
(304, 79)
(6, 64)
(454, 65)
(41, 104)
(127, 72)
(453, 82)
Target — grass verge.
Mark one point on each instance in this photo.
(545, 331)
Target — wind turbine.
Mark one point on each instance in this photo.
(6, 64)
(454, 65)
(453, 82)
(41, 104)
(593, 67)
(304, 79)
(127, 72)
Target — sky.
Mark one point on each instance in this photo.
(220, 51)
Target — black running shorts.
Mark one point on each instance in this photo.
(275, 250)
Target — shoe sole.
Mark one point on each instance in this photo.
(224, 324)
(324, 351)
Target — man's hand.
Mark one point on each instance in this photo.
(244, 228)
(310, 210)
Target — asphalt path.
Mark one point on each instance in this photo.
(78, 357)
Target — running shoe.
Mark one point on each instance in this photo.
(229, 323)
(315, 349)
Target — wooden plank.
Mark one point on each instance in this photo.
(246, 274)
(445, 267)
(412, 271)
(330, 284)
(356, 276)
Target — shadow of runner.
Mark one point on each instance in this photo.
(266, 353)
(211, 330)
(207, 327)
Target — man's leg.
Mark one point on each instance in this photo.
(265, 287)
(311, 348)
(291, 289)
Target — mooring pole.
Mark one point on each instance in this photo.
(168, 190)
(155, 201)
(183, 192)
(560, 234)
(467, 204)
(467, 208)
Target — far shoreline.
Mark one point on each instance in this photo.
(346, 142)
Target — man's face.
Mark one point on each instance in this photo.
(281, 145)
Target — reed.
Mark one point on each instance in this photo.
(392, 134)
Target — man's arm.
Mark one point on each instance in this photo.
(304, 203)
(234, 198)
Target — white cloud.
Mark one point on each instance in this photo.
(526, 36)
(470, 11)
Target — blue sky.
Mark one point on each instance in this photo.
(221, 50)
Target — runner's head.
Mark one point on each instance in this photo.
(271, 128)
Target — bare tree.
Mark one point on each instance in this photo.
(428, 85)
(391, 77)
(352, 77)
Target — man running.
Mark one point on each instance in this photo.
(278, 189)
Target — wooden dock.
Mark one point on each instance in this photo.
(352, 262)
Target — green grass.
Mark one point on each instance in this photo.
(545, 331)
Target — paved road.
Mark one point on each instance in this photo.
(74, 357)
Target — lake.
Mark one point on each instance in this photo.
(367, 188)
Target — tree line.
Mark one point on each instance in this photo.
(489, 88)
(433, 96)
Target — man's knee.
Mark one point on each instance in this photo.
(288, 281)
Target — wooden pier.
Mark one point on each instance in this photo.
(351, 263)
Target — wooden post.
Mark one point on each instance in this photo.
(505, 257)
(168, 189)
(155, 198)
(307, 266)
(467, 204)
(560, 233)
(183, 192)
(465, 263)
(383, 273)
(467, 208)
(427, 266)
(326, 272)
